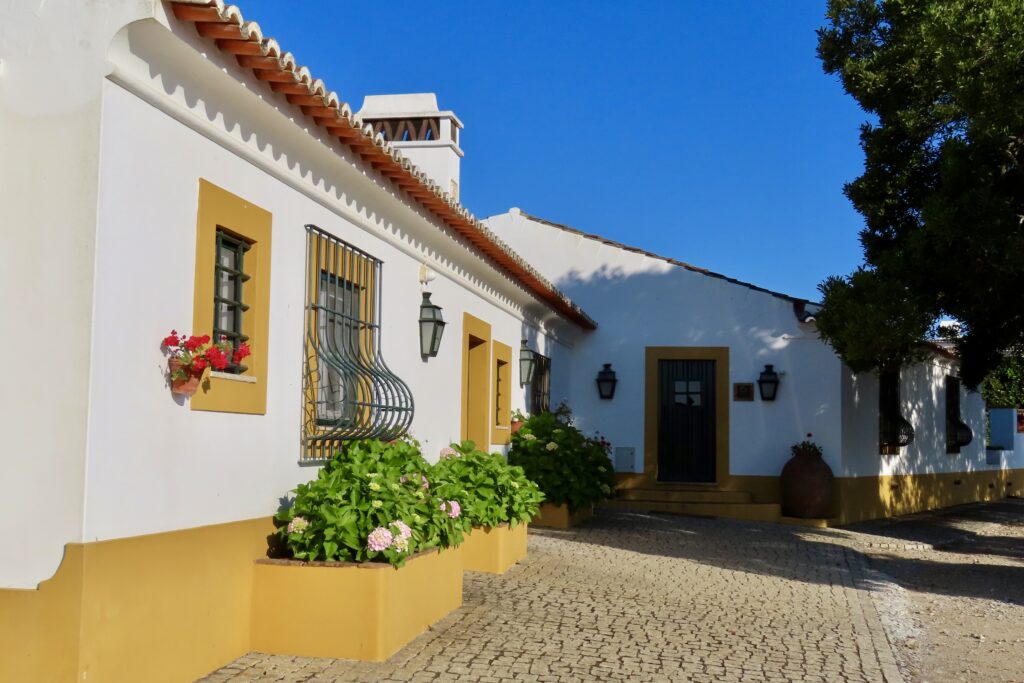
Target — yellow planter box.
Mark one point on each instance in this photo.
(345, 610)
(558, 517)
(493, 549)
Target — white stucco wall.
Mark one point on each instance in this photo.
(923, 403)
(52, 57)
(642, 301)
(127, 457)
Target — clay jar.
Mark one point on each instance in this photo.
(806, 485)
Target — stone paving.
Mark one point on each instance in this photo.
(637, 597)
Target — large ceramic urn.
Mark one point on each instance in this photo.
(806, 483)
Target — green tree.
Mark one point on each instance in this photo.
(942, 193)
(1004, 386)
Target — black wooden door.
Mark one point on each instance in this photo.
(686, 420)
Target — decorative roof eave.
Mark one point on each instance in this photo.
(244, 39)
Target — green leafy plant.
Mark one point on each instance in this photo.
(372, 502)
(492, 491)
(567, 466)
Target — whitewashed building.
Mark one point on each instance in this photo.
(154, 151)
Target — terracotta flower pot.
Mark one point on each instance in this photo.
(806, 486)
(516, 425)
(182, 387)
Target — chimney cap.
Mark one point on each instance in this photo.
(404, 106)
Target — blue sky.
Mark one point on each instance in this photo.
(705, 131)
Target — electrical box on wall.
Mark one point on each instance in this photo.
(625, 459)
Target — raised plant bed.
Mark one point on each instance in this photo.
(494, 550)
(559, 517)
(347, 610)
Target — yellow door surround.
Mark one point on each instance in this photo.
(719, 354)
(476, 381)
(219, 209)
(501, 394)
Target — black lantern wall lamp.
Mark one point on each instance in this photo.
(768, 383)
(606, 382)
(527, 364)
(431, 327)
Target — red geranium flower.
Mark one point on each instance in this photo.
(193, 343)
(242, 351)
(171, 339)
(198, 365)
(217, 358)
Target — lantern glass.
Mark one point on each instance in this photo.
(527, 364)
(768, 383)
(606, 382)
(431, 327)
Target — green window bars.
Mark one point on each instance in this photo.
(229, 306)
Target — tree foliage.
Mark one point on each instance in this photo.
(1004, 386)
(942, 193)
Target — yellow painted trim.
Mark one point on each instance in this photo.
(501, 428)
(220, 208)
(351, 611)
(558, 516)
(719, 354)
(476, 381)
(860, 498)
(494, 550)
(162, 607)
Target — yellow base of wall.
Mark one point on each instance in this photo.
(494, 550)
(857, 499)
(164, 607)
(352, 611)
(862, 498)
(558, 517)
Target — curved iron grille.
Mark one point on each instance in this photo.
(349, 391)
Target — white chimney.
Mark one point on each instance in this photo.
(427, 136)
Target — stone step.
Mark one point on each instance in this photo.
(680, 495)
(755, 512)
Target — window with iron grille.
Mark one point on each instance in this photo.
(229, 305)
(958, 434)
(350, 391)
(540, 397)
(894, 431)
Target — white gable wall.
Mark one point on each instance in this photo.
(640, 301)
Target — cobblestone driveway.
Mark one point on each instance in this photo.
(636, 597)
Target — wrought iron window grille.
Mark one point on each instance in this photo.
(228, 300)
(894, 431)
(958, 433)
(350, 393)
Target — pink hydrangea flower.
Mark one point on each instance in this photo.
(379, 539)
(454, 509)
(448, 452)
(404, 532)
(297, 525)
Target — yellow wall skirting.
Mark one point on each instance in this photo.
(857, 499)
(219, 208)
(163, 607)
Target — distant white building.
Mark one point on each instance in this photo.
(167, 166)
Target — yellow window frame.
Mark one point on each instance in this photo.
(218, 208)
(501, 393)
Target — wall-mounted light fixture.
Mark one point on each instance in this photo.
(431, 327)
(606, 382)
(768, 383)
(527, 364)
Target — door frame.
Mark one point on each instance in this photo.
(719, 354)
(476, 381)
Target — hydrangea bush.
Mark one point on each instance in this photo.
(567, 466)
(492, 492)
(372, 502)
